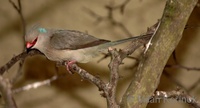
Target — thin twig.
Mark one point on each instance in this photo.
(14, 5)
(35, 85)
(121, 7)
(14, 59)
(87, 76)
(114, 78)
(106, 55)
(106, 88)
(110, 16)
(5, 88)
(19, 11)
(179, 66)
(177, 95)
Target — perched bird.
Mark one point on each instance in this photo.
(69, 45)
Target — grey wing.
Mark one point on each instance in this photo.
(71, 39)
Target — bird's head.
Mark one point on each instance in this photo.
(31, 37)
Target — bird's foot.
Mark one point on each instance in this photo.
(69, 64)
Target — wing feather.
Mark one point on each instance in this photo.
(71, 39)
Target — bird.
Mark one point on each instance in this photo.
(70, 46)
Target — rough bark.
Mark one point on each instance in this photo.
(167, 37)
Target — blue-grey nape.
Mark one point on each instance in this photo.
(42, 30)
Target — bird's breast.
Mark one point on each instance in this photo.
(80, 55)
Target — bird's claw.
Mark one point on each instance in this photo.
(68, 66)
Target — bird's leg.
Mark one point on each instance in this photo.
(69, 64)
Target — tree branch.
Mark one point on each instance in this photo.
(147, 77)
(177, 95)
(23, 23)
(87, 76)
(179, 66)
(5, 88)
(19, 11)
(13, 60)
(116, 60)
(114, 77)
(110, 16)
(109, 90)
(36, 84)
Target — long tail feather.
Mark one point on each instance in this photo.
(113, 43)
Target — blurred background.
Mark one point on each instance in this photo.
(71, 91)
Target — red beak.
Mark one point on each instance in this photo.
(29, 45)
